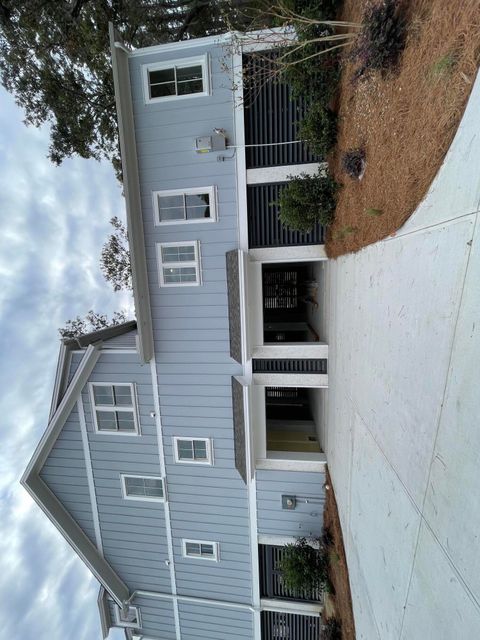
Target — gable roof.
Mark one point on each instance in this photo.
(38, 489)
(131, 188)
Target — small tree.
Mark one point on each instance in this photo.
(319, 129)
(307, 200)
(115, 257)
(304, 567)
(91, 322)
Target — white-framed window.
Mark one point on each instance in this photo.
(192, 450)
(178, 264)
(201, 549)
(179, 206)
(176, 80)
(129, 619)
(136, 487)
(114, 407)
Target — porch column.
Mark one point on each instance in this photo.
(309, 350)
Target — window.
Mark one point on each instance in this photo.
(184, 205)
(129, 619)
(200, 549)
(178, 264)
(142, 488)
(197, 450)
(114, 408)
(175, 80)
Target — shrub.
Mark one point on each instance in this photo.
(306, 200)
(332, 630)
(303, 567)
(353, 163)
(319, 129)
(316, 77)
(381, 39)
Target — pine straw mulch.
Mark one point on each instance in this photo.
(405, 122)
(338, 571)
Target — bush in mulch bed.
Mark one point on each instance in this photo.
(353, 163)
(319, 129)
(381, 39)
(304, 567)
(307, 200)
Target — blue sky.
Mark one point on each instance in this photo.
(54, 221)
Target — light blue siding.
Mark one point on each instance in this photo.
(65, 473)
(191, 336)
(157, 618)
(305, 519)
(215, 623)
(133, 531)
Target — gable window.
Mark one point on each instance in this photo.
(200, 549)
(178, 264)
(184, 205)
(197, 450)
(128, 618)
(114, 408)
(176, 80)
(142, 487)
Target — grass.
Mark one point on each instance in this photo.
(405, 121)
(338, 571)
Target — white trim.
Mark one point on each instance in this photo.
(168, 524)
(113, 408)
(267, 175)
(179, 63)
(126, 496)
(193, 599)
(105, 350)
(128, 625)
(301, 253)
(286, 606)
(291, 350)
(89, 470)
(274, 540)
(317, 380)
(196, 263)
(209, 450)
(240, 155)
(281, 461)
(212, 200)
(214, 545)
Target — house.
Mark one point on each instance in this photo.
(184, 450)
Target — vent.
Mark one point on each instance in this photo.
(266, 365)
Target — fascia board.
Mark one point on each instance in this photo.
(47, 500)
(131, 187)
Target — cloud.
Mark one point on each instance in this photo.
(54, 221)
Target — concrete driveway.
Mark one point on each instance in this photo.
(403, 411)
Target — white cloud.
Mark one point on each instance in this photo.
(54, 221)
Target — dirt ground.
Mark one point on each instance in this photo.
(405, 122)
(338, 571)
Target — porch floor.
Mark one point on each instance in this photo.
(403, 437)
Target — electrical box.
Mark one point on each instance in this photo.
(207, 144)
(289, 502)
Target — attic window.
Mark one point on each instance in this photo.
(200, 549)
(148, 488)
(129, 618)
(114, 408)
(197, 450)
(184, 206)
(176, 79)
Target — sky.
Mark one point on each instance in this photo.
(54, 221)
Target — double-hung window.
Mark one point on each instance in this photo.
(193, 450)
(114, 408)
(178, 264)
(177, 79)
(184, 205)
(148, 488)
(200, 549)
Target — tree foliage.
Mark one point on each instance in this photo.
(115, 257)
(55, 60)
(91, 322)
